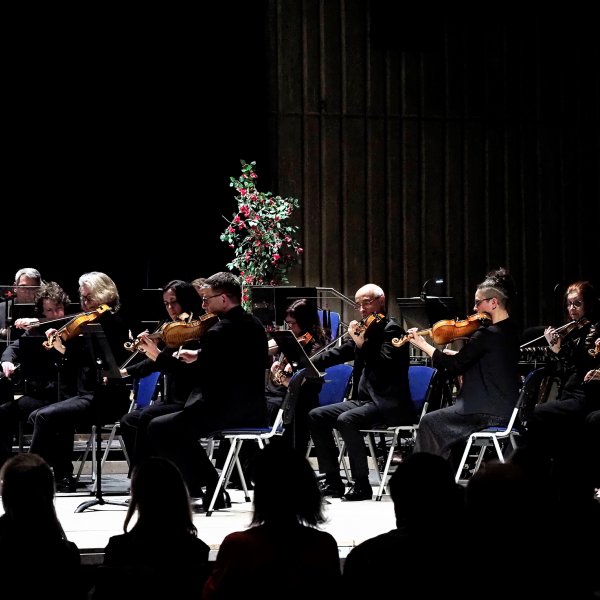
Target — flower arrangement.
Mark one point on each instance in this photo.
(261, 234)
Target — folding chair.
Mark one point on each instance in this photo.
(499, 438)
(336, 386)
(422, 381)
(143, 394)
(260, 435)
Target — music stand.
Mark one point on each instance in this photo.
(294, 352)
(107, 368)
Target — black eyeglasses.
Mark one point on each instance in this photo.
(205, 298)
(86, 298)
(290, 323)
(575, 304)
(478, 302)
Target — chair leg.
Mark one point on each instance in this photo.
(373, 453)
(386, 470)
(225, 473)
(463, 460)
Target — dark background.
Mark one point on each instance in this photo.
(112, 113)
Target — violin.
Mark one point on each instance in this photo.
(447, 330)
(281, 374)
(73, 327)
(595, 350)
(177, 333)
(562, 332)
(365, 323)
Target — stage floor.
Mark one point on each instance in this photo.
(349, 522)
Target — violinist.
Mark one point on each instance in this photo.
(489, 366)
(43, 385)
(555, 428)
(179, 297)
(27, 282)
(231, 366)
(94, 400)
(302, 318)
(382, 394)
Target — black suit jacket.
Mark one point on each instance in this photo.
(380, 369)
(231, 370)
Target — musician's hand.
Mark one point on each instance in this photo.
(148, 347)
(8, 368)
(593, 375)
(124, 373)
(188, 356)
(357, 333)
(57, 342)
(275, 367)
(552, 338)
(449, 352)
(26, 323)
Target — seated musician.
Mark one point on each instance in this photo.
(302, 318)
(489, 366)
(555, 430)
(42, 385)
(231, 367)
(95, 400)
(180, 298)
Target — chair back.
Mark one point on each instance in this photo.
(144, 388)
(419, 380)
(529, 396)
(335, 384)
(330, 321)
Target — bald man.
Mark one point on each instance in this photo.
(382, 394)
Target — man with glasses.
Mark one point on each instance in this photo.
(231, 365)
(382, 394)
(27, 283)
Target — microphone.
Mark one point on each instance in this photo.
(436, 280)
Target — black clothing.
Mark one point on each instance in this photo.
(152, 565)
(559, 430)
(180, 379)
(231, 369)
(95, 402)
(383, 397)
(45, 382)
(44, 565)
(489, 392)
(297, 432)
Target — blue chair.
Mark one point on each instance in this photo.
(422, 381)
(330, 321)
(336, 386)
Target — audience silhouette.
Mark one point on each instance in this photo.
(282, 554)
(35, 556)
(161, 555)
(421, 557)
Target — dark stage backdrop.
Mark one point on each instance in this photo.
(418, 147)
(114, 112)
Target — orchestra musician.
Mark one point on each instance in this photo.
(44, 385)
(231, 364)
(179, 297)
(27, 282)
(95, 400)
(302, 318)
(381, 372)
(489, 366)
(555, 429)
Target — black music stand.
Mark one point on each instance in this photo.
(107, 368)
(294, 352)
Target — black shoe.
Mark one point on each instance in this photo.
(223, 501)
(336, 490)
(359, 492)
(66, 485)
